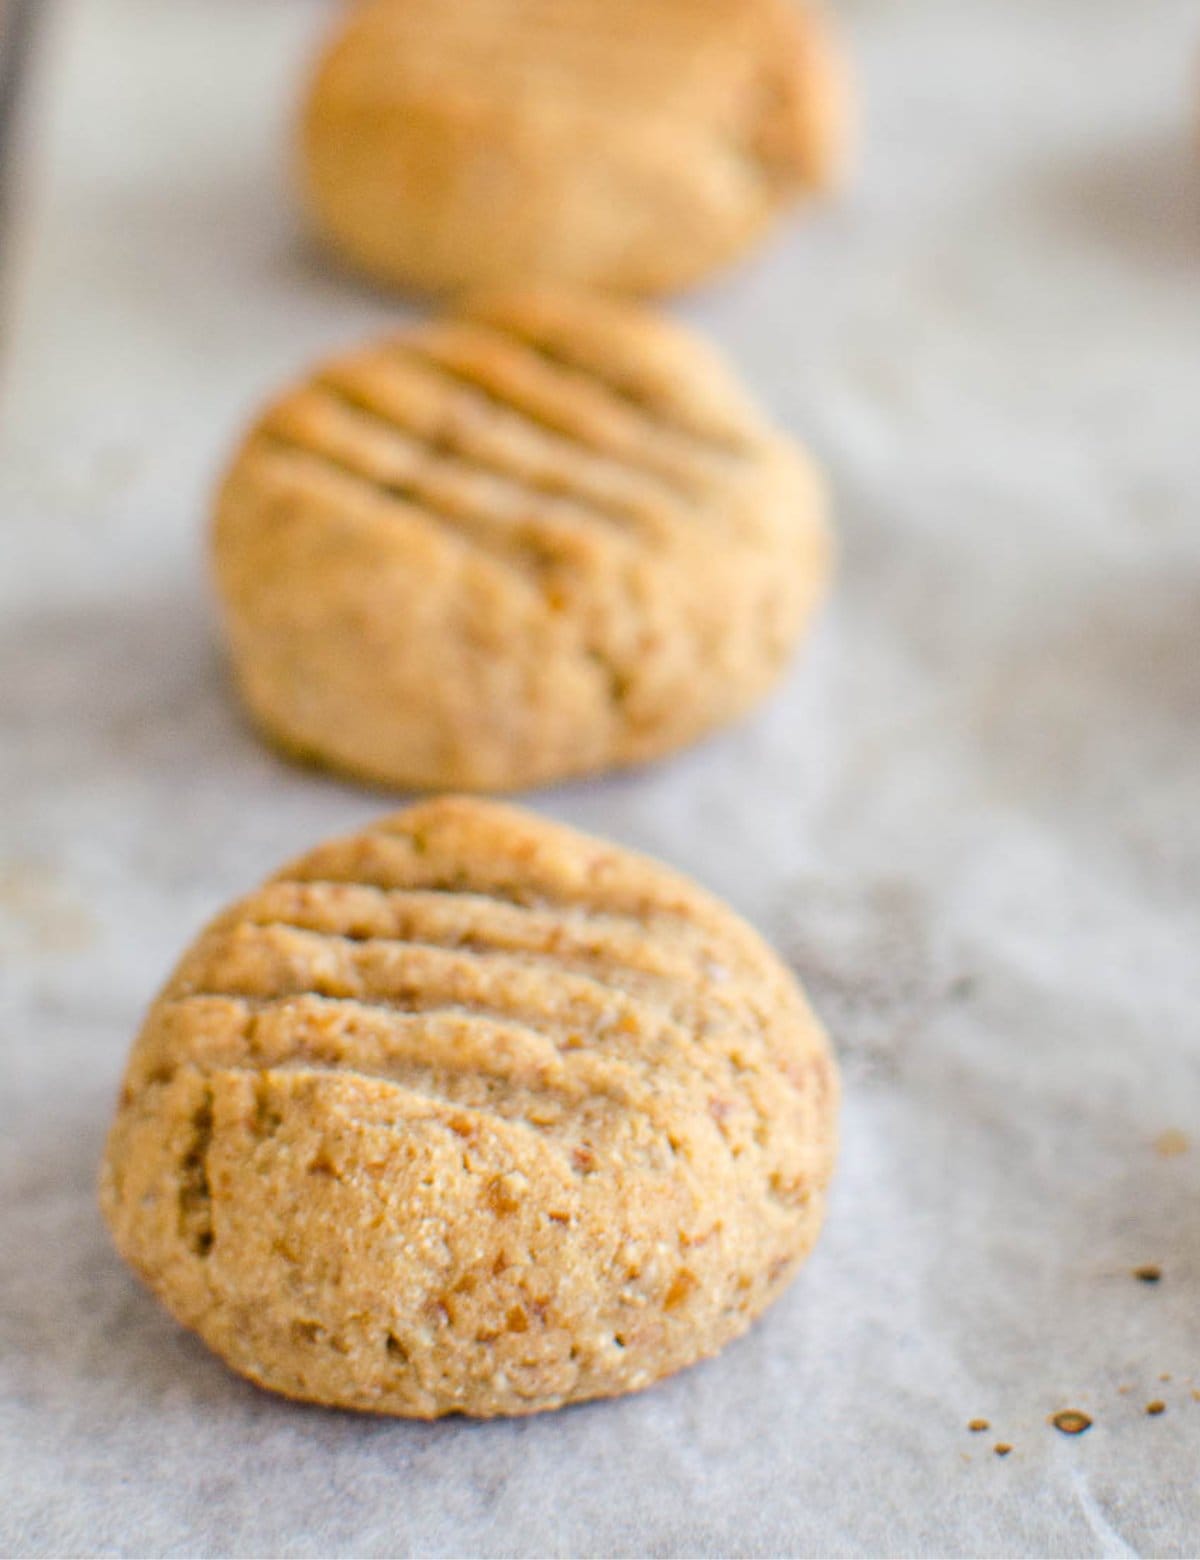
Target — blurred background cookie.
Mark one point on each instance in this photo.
(625, 145)
(472, 1113)
(542, 538)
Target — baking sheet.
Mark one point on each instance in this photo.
(969, 819)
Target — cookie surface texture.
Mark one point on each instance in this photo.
(471, 1113)
(544, 538)
(610, 143)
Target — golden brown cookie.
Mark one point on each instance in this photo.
(614, 143)
(471, 1113)
(540, 540)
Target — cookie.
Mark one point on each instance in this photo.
(541, 539)
(610, 143)
(470, 1113)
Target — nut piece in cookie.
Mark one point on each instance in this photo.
(545, 537)
(471, 1113)
(612, 143)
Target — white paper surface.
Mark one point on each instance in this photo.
(971, 818)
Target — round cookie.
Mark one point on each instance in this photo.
(540, 539)
(471, 1113)
(634, 147)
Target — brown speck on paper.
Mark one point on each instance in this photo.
(1171, 1143)
(1150, 1273)
(1156, 1407)
(978, 1424)
(1070, 1421)
(1002, 1448)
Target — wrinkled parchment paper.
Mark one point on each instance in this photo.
(971, 818)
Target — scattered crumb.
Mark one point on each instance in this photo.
(1166, 1376)
(1196, 1394)
(1156, 1407)
(34, 902)
(1002, 1448)
(1171, 1143)
(1070, 1421)
(1126, 1389)
(978, 1424)
(1151, 1273)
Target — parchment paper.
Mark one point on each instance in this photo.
(970, 819)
